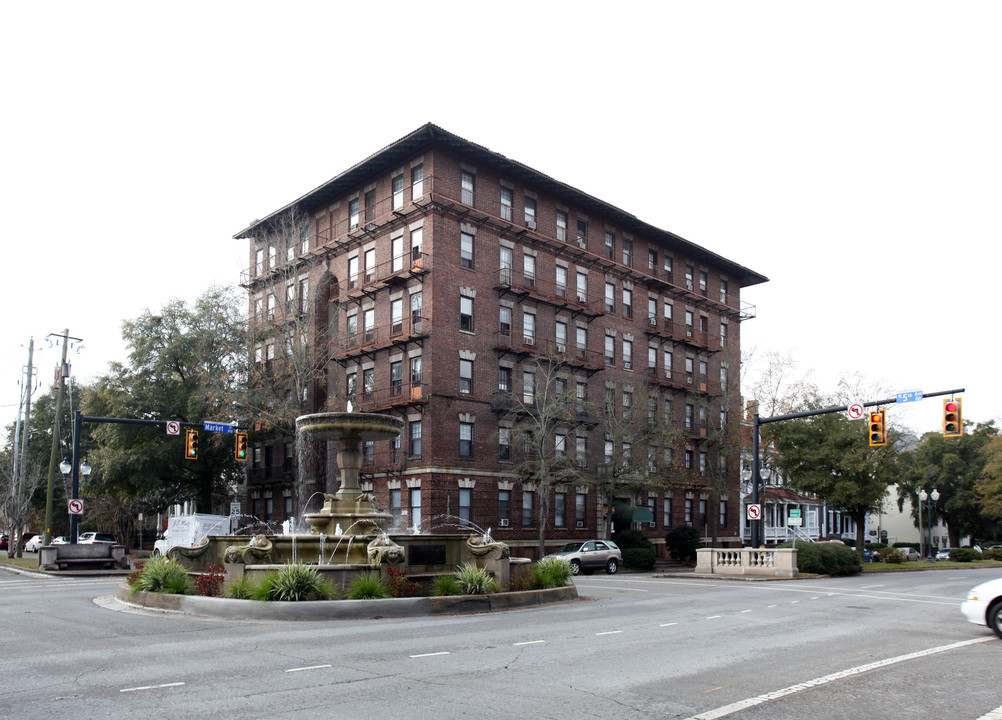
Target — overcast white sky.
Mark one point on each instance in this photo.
(849, 151)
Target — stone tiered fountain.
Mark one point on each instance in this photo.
(349, 535)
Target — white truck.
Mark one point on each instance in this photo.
(189, 530)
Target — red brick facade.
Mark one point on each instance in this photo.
(405, 244)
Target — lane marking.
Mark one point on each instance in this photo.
(995, 714)
(424, 655)
(713, 617)
(719, 687)
(609, 632)
(530, 642)
(667, 624)
(151, 687)
(311, 667)
(611, 587)
(867, 587)
(744, 611)
(816, 682)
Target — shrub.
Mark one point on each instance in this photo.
(241, 588)
(163, 576)
(639, 558)
(399, 584)
(298, 582)
(210, 582)
(520, 577)
(826, 559)
(368, 586)
(892, 555)
(992, 554)
(631, 538)
(964, 554)
(136, 570)
(682, 542)
(475, 580)
(447, 585)
(550, 572)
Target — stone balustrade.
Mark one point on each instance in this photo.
(756, 562)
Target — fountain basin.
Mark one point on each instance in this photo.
(349, 426)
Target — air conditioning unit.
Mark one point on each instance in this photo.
(530, 340)
(652, 321)
(688, 332)
(688, 381)
(531, 224)
(580, 524)
(561, 348)
(503, 522)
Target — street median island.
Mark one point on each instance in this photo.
(346, 609)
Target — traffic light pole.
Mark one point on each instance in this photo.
(757, 422)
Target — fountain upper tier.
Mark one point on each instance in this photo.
(349, 426)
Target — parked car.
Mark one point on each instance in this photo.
(3, 542)
(95, 538)
(983, 605)
(943, 554)
(61, 540)
(33, 543)
(591, 555)
(910, 553)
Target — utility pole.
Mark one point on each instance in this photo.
(62, 372)
(21, 436)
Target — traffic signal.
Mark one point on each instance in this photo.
(191, 444)
(953, 424)
(878, 432)
(241, 449)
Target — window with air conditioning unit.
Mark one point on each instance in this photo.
(580, 524)
(503, 522)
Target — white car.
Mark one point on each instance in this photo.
(983, 605)
(95, 538)
(910, 553)
(33, 544)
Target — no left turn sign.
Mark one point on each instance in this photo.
(856, 411)
(173, 427)
(754, 512)
(75, 506)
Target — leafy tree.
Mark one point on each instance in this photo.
(829, 455)
(184, 364)
(989, 485)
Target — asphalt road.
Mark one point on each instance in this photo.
(874, 646)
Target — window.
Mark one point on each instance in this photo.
(417, 237)
(504, 379)
(350, 385)
(259, 262)
(466, 250)
(650, 506)
(607, 452)
(610, 297)
(290, 250)
(370, 265)
(610, 401)
(398, 191)
(397, 253)
(689, 411)
(582, 233)
(396, 377)
(722, 514)
(395, 505)
(368, 452)
(465, 501)
(352, 324)
(416, 309)
(666, 512)
(530, 213)
(416, 507)
(527, 503)
(416, 370)
(559, 444)
(723, 291)
(689, 365)
(689, 322)
(561, 281)
(561, 336)
(652, 260)
(415, 438)
(668, 268)
(559, 508)
(627, 403)
(627, 252)
(529, 328)
(370, 206)
(528, 387)
(581, 340)
(369, 324)
(506, 203)
(468, 183)
(703, 279)
(561, 225)
(504, 506)
(368, 384)
(580, 503)
(652, 311)
(529, 269)
(466, 439)
(504, 443)
(353, 213)
(688, 459)
(505, 261)
(702, 513)
(652, 408)
(627, 303)
(652, 358)
(628, 354)
(580, 396)
(610, 350)
(417, 181)
(702, 469)
(723, 378)
(666, 360)
(504, 321)
(396, 316)
(723, 335)
(304, 294)
(702, 370)
(688, 277)
(466, 313)
(582, 287)
(581, 450)
(610, 244)
(688, 511)
(353, 272)
(466, 376)
(666, 313)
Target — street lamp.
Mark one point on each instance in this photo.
(928, 500)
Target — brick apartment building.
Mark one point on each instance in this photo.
(462, 291)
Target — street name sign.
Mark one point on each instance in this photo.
(909, 396)
(217, 427)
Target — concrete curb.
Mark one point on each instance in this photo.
(345, 609)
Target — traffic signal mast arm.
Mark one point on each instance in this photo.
(758, 421)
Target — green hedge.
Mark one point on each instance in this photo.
(639, 558)
(992, 554)
(826, 559)
(964, 554)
